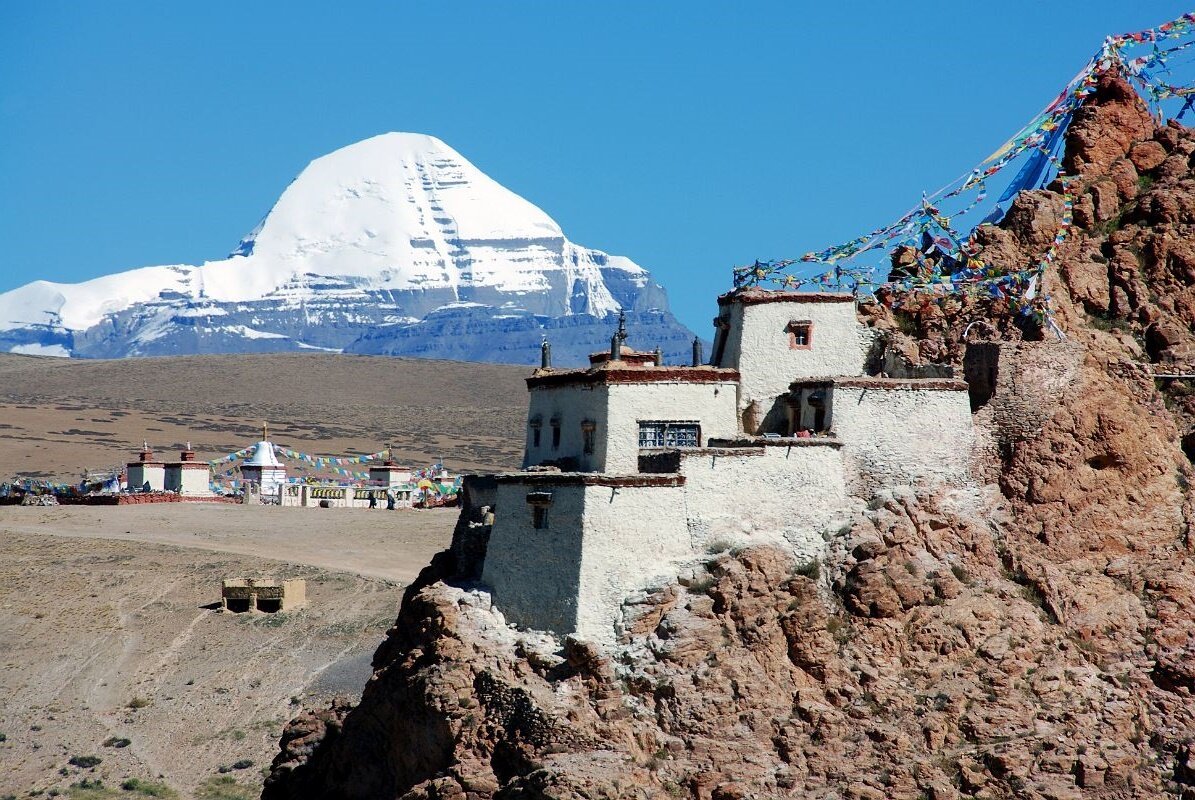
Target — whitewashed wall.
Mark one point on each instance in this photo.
(634, 537)
(758, 346)
(711, 404)
(195, 482)
(905, 435)
(617, 409)
(786, 495)
(573, 404)
(534, 575)
(150, 477)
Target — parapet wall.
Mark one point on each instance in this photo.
(780, 492)
(898, 432)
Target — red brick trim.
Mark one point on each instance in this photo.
(751, 297)
(589, 479)
(605, 377)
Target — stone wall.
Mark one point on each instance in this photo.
(534, 575)
(604, 540)
(571, 404)
(710, 404)
(904, 435)
(785, 494)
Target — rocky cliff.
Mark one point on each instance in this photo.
(1033, 638)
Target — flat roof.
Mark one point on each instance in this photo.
(606, 374)
(750, 297)
(590, 479)
(870, 382)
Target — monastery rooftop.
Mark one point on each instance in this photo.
(749, 297)
(609, 372)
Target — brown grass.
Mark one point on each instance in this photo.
(59, 416)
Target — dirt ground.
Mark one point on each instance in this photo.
(59, 416)
(110, 650)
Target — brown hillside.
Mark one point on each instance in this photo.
(58, 416)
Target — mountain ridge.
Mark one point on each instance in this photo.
(358, 251)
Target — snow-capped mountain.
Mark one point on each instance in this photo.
(394, 245)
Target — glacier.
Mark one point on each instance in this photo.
(395, 245)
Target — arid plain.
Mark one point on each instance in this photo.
(114, 666)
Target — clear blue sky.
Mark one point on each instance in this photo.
(687, 136)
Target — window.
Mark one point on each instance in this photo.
(669, 434)
(555, 434)
(800, 334)
(588, 436)
(536, 423)
(539, 502)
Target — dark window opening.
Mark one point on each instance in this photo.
(535, 436)
(800, 335)
(555, 434)
(669, 434)
(539, 517)
(588, 436)
(269, 605)
(237, 605)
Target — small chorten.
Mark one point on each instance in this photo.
(145, 474)
(264, 467)
(389, 473)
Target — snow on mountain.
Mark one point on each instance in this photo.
(365, 243)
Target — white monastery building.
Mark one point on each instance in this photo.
(633, 468)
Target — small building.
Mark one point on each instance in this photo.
(265, 470)
(188, 477)
(335, 495)
(146, 474)
(262, 594)
(389, 474)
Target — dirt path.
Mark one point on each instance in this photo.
(104, 634)
(390, 545)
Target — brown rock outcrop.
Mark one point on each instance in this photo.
(1035, 639)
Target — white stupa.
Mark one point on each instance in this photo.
(263, 467)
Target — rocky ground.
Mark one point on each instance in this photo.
(1034, 638)
(115, 666)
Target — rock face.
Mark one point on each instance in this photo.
(395, 245)
(1031, 639)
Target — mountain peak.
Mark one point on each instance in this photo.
(380, 234)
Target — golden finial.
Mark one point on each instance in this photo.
(265, 431)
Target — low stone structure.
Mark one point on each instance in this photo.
(240, 595)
